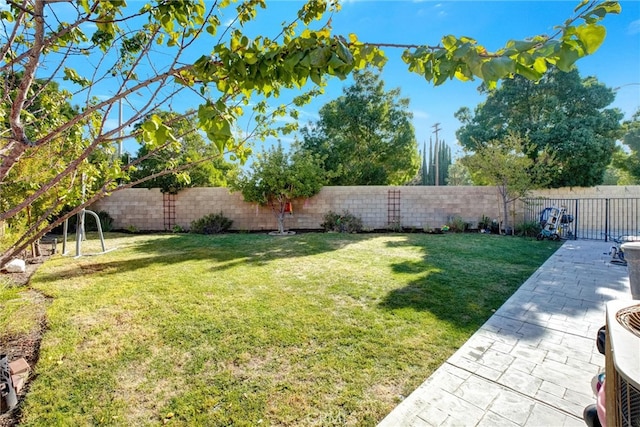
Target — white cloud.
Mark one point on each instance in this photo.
(308, 115)
(419, 114)
(634, 27)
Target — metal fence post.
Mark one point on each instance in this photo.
(606, 220)
(575, 219)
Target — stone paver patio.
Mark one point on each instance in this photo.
(532, 362)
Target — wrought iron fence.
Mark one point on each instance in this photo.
(595, 219)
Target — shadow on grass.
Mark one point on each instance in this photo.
(464, 279)
(224, 251)
(461, 279)
(434, 292)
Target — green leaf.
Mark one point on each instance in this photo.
(581, 5)
(498, 68)
(540, 65)
(315, 77)
(5, 15)
(463, 51)
(250, 57)
(464, 73)
(607, 7)
(591, 37)
(293, 60)
(449, 42)
(529, 73)
(567, 56)
(335, 62)
(522, 46)
(320, 56)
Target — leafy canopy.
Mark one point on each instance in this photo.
(628, 161)
(506, 165)
(277, 177)
(207, 168)
(365, 136)
(561, 113)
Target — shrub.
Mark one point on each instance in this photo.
(528, 229)
(395, 226)
(343, 223)
(484, 223)
(211, 224)
(456, 224)
(106, 221)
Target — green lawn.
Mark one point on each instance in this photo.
(249, 329)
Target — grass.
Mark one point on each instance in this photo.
(20, 313)
(247, 329)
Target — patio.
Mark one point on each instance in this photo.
(532, 362)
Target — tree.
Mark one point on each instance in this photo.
(561, 112)
(439, 163)
(424, 168)
(459, 174)
(428, 169)
(146, 56)
(627, 162)
(43, 163)
(208, 168)
(365, 136)
(506, 165)
(276, 178)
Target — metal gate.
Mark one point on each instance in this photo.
(595, 219)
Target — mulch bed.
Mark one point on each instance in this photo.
(27, 345)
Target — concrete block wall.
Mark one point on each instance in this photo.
(420, 206)
(140, 208)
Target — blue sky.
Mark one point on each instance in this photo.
(491, 23)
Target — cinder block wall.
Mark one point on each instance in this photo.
(420, 206)
(140, 208)
(598, 192)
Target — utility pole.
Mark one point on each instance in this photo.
(436, 154)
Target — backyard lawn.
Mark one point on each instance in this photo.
(248, 329)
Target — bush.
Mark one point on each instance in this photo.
(484, 223)
(528, 229)
(211, 224)
(456, 224)
(395, 226)
(106, 221)
(343, 223)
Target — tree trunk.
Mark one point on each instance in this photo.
(281, 222)
(505, 208)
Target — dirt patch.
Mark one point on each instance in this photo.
(22, 279)
(26, 345)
